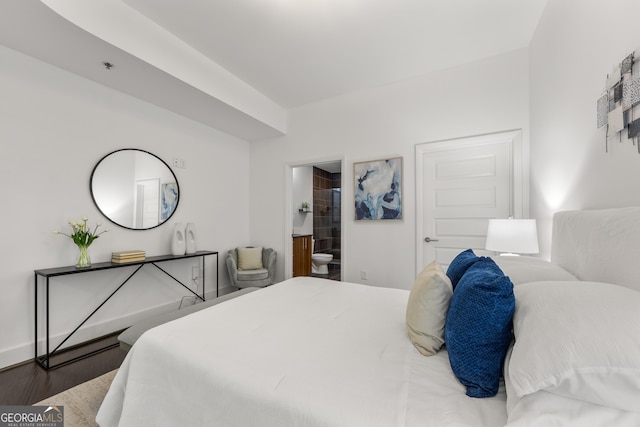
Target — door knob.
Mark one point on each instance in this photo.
(429, 239)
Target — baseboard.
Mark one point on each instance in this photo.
(24, 353)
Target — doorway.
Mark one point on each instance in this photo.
(460, 185)
(147, 205)
(318, 187)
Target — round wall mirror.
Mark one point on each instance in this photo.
(134, 189)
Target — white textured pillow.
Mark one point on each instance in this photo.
(427, 309)
(578, 339)
(250, 258)
(523, 269)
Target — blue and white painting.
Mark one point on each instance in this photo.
(169, 200)
(378, 189)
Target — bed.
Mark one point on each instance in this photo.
(313, 352)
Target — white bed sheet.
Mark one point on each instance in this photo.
(304, 352)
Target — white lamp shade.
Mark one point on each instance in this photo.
(518, 236)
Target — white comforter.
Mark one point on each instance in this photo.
(305, 352)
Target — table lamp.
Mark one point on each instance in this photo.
(512, 236)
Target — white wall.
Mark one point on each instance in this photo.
(302, 191)
(482, 97)
(576, 45)
(54, 127)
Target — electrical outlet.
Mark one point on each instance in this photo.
(363, 274)
(195, 272)
(178, 163)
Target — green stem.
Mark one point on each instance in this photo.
(84, 260)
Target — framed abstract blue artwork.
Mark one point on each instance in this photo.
(169, 200)
(378, 189)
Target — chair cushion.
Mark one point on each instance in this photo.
(250, 258)
(257, 274)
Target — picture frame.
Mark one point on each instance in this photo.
(378, 189)
(169, 200)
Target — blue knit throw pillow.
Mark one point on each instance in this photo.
(459, 265)
(478, 329)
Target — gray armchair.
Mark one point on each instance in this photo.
(260, 277)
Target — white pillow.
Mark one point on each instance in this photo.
(523, 269)
(427, 309)
(579, 340)
(250, 258)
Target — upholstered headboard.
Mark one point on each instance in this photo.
(599, 245)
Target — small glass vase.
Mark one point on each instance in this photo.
(84, 260)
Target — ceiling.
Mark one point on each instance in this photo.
(244, 63)
(301, 51)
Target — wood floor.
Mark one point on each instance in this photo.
(28, 383)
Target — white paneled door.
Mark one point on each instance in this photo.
(461, 184)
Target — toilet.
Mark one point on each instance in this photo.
(319, 262)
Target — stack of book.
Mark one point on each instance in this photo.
(127, 256)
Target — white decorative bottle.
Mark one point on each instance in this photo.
(190, 237)
(178, 246)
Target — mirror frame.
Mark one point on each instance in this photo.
(142, 151)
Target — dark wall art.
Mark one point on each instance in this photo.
(616, 106)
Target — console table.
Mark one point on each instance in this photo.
(45, 360)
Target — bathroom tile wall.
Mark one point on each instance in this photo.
(326, 212)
